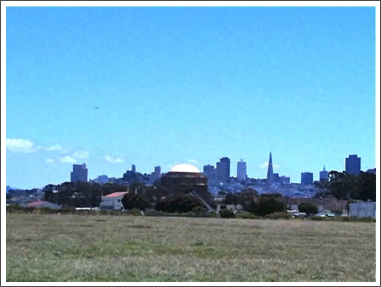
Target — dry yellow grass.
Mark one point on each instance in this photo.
(126, 248)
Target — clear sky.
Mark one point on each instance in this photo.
(178, 85)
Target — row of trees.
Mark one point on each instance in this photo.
(172, 203)
(79, 194)
(343, 185)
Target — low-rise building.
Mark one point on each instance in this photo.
(112, 201)
(328, 203)
(362, 209)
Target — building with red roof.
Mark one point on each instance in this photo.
(112, 201)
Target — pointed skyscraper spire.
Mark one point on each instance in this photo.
(270, 172)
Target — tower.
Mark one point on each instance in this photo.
(223, 169)
(353, 164)
(323, 175)
(79, 173)
(270, 173)
(241, 170)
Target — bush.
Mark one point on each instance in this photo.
(317, 218)
(212, 214)
(135, 212)
(226, 213)
(198, 210)
(68, 209)
(45, 210)
(188, 214)
(246, 215)
(157, 213)
(279, 215)
(308, 208)
(15, 208)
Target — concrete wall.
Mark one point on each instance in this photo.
(362, 209)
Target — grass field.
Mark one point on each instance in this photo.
(126, 248)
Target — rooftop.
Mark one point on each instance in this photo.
(185, 168)
(116, 194)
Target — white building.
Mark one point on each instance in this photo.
(362, 209)
(112, 201)
(241, 170)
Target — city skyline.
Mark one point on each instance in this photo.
(164, 86)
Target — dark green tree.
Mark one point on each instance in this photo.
(139, 201)
(266, 205)
(177, 203)
(308, 208)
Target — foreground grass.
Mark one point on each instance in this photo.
(106, 248)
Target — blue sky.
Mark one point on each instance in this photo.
(191, 85)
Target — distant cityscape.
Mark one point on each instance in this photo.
(220, 178)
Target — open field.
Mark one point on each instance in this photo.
(45, 247)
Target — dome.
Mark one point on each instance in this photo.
(184, 168)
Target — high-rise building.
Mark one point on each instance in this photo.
(102, 179)
(210, 172)
(275, 177)
(353, 164)
(157, 172)
(79, 173)
(284, 179)
(133, 168)
(323, 175)
(270, 172)
(223, 169)
(307, 178)
(241, 170)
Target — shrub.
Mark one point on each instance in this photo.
(308, 208)
(317, 218)
(135, 212)
(18, 209)
(198, 210)
(188, 214)
(246, 215)
(45, 210)
(212, 214)
(68, 209)
(226, 213)
(279, 215)
(157, 213)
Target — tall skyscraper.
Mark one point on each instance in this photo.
(133, 168)
(323, 175)
(241, 170)
(270, 172)
(223, 169)
(307, 178)
(210, 172)
(353, 164)
(79, 173)
(157, 173)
